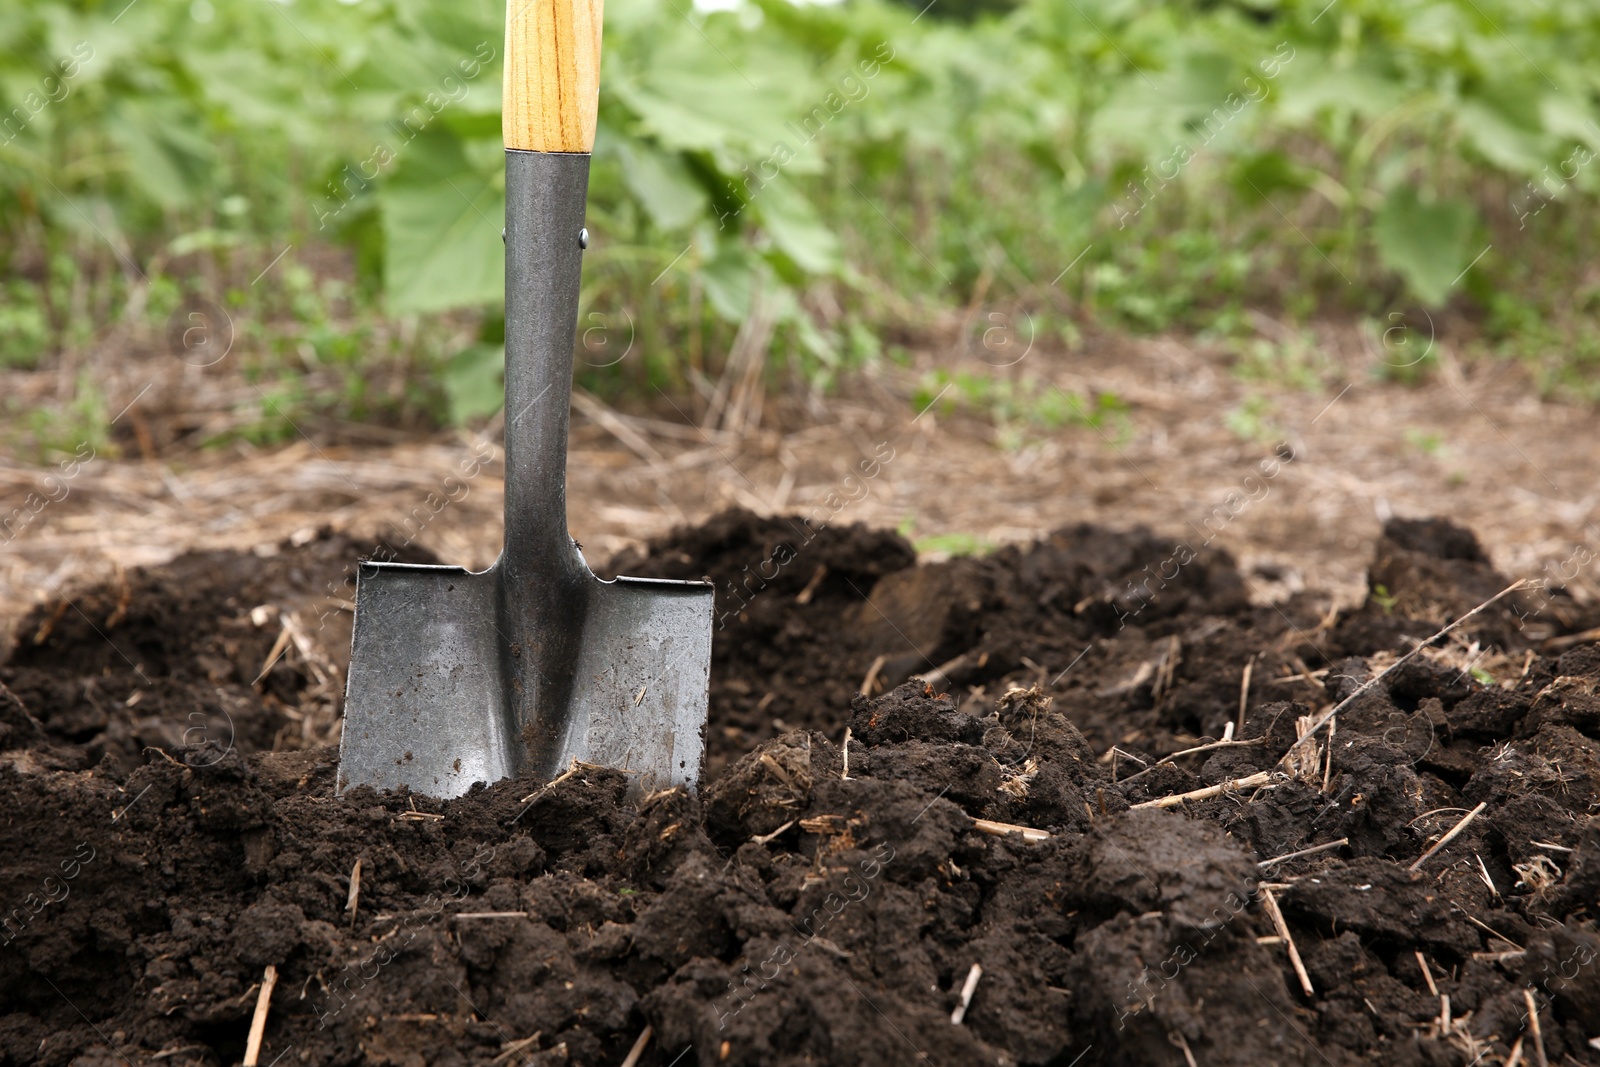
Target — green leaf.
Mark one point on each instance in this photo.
(442, 219)
(1307, 88)
(1427, 244)
(1261, 175)
(797, 229)
(442, 246)
(728, 280)
(474, 382)
(1503, 142)
(167, 159)
(661, 182)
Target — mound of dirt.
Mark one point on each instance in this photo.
(242, 650)
(808, 618)
(1035, 817)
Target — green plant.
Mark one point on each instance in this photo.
(65, 430)
(954, 544)
(838, 172)
(1429, 443)
(1294, 360)
(1250, 421)
(1019, 408)
(24, 331)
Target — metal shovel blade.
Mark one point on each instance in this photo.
(427, 704)
(458, 677)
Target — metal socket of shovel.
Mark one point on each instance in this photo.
(458, 677)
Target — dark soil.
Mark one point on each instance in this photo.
(169, 829)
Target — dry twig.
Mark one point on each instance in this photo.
(1533, 1025)
(1327, 770)
(351, 901)
(1113, 754)
(258, 1021)
(1303, 764)
(1324, 847)
(1427, 974)
(967, 989)
(1167, 668)
(941, 674)
(1561, 644)
(1270, 903)
(805, 595)
(279, 647)
(871, 680)
(1244, 692)
(638, 1047)
(1483, 869)
(766, 839)
(1550, 846)
(552, 783)
(1209, 746)
(1491, 931)
(1248, 782)
(1450, 835)
(1001, 829)
(511, 1048)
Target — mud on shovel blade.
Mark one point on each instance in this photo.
(458, 677)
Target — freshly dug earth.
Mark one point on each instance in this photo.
(169, 830)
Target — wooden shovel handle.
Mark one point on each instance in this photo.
(552, 88)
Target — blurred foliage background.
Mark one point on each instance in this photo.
(785, 192)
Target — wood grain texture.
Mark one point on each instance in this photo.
(552, 87)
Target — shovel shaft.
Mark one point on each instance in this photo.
(545, 194)
(544, 581)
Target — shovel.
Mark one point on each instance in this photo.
(515, 671)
